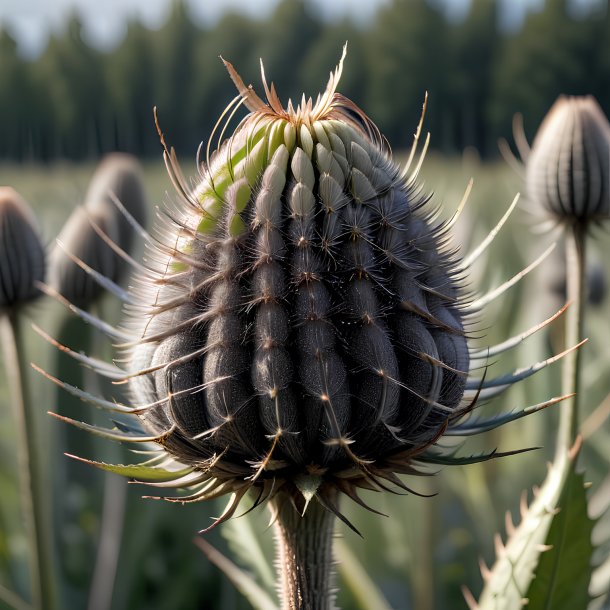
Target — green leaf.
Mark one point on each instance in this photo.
(509, 582)
(357, 580)
(12, 600)
(139, 472)
(563, 574)
(246, 547)
(244, 583)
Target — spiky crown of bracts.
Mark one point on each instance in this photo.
(299, 322)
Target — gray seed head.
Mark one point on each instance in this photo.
(22, 258)
(568, 170)
(118, 176)
(297, 325)
(305, 320)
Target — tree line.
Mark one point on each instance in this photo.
(77, 102)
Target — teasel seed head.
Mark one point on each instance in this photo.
(309, 322)
(298, 327)
(568, 170)
(22, 257)
(84, 239)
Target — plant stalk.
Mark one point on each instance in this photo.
(115, 499)
(34, 500)
(304, 553)
(109, 546)
(574, 324)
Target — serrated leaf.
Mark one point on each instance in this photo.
(563, 574)
(508, 582)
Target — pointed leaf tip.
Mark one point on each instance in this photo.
(136, 472)
(308, 485)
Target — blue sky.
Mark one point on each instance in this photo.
(30, 21)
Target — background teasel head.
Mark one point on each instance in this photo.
(22, 258)
(568, 169)
(299, 325)
(84, 239)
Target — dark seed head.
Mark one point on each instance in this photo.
(22, 258)
(306, 317)
(118, 176)
(568, 170)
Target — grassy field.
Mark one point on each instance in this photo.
(418, 557)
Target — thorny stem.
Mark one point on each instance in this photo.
(304, 554)
(574, 323)
(34, 501)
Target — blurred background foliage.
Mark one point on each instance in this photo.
(73, 103)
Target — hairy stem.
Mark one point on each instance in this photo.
(574, 323)
(304, 552)
(34, 500)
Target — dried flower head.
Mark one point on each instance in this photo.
(22, 258)
(84, 239)
(299, 324)
(568, 170)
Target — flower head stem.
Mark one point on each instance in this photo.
(112, 518)
(575, 236)
(304, 554)
(33, 498)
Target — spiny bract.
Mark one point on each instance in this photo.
(299, 323)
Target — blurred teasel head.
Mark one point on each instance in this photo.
(298, 326)
(95, 228)
(568, 169)
(22, 257)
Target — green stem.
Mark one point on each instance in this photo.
(34, 500)
(109, 546)
(304, 551)
(115, 498)
(574, 323)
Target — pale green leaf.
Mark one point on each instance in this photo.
(245, 545)
(243, 581)
(355, 578)
(140, 472)
(12, 600)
